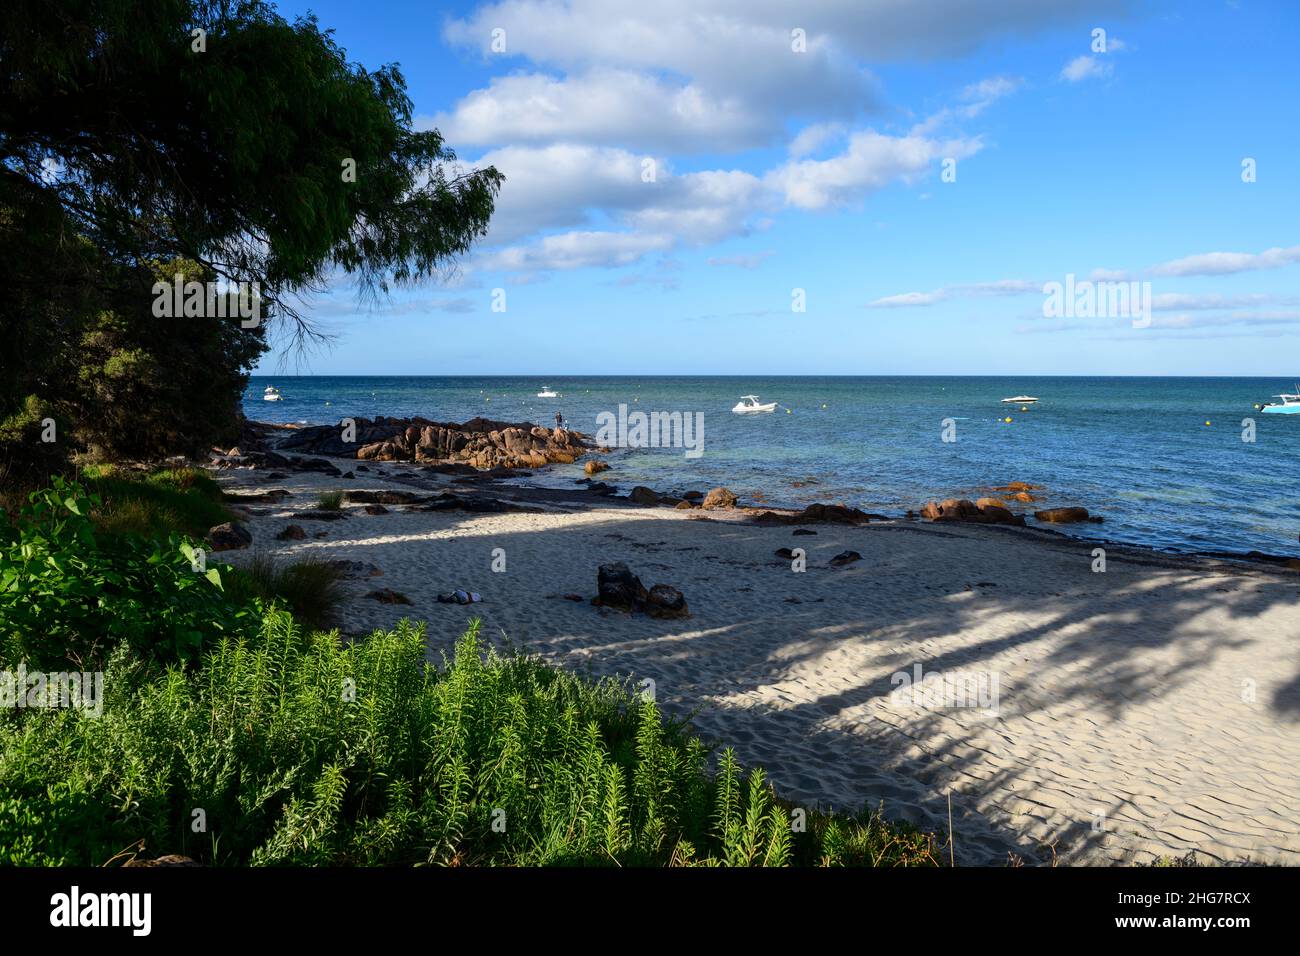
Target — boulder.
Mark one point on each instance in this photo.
(595, 467)
(375, 510)
(388, 596)
(619, 587)
(719, 498)
(292, 532)
(837, 514)
(1018, 486)
(845, 557)
(229, 536)
(665, 601)
(644, 496)
(684, 505)
(802, 531)
(1062, 515)
(383, 497)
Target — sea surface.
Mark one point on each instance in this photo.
(1161, 459)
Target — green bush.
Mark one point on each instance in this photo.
(70, 595)
(156, 503)
(310, 752)
(330, 501)
(309, 589)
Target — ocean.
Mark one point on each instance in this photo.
(1163, 460)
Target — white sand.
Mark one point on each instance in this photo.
(1146, 711)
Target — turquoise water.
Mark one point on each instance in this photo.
(1135, 450)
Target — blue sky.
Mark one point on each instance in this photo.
(821, 170)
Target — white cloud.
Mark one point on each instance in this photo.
(1226, 263)
(577, 250)
(1085, 68)
(604, 106)
(870, 161)
(1000, 287)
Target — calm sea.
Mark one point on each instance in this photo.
(1138, 451)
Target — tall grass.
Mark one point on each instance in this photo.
(296, 750)
(330, 501)
(156, 503)
(309, 588)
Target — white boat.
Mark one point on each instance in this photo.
(547, 393)
(1020, 400)
(749, 404)
(1290, 405)
(271, 394)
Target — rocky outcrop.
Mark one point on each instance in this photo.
(622, 590)
(480, 443)
(963, 509)
(719, 498)
(644, 496)
(595, 466)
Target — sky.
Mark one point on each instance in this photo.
(682, 176)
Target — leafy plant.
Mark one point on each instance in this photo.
(309, 752)
(69, 594)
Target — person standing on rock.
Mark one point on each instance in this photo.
(559, 422)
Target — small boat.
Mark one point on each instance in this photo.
(547, 393)
(1020, 400)
(749, 405)
(271, 394)
(1290, 405)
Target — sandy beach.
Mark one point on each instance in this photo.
(1143, 712)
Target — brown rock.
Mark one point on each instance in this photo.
(1062, 515)
(693, 495)
(665, 601)
(719, 498)
(685, 505)
(595, 467)
(644, 496)
(376, 510)
(229, 536)
(990, 502)
(292, 532)
(619, 587)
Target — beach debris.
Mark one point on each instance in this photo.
(251, 497)
(375, 510)
(389, 596)
(719, 498)
(460, 596)
(383, 497)
(354, 569)
(595, 466)
(229, 536)
(1064, 515)
(845, 557)
(291, 532)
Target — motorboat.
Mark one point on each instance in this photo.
(1020, 400)
(271, 394)
(749, 405)
(547, 393)
(1290, 405)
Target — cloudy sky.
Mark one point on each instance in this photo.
(682, 175)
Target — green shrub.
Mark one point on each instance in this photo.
(308, 752)
(309, 589)
(154, 504)
(330, 501)
(69, 594)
